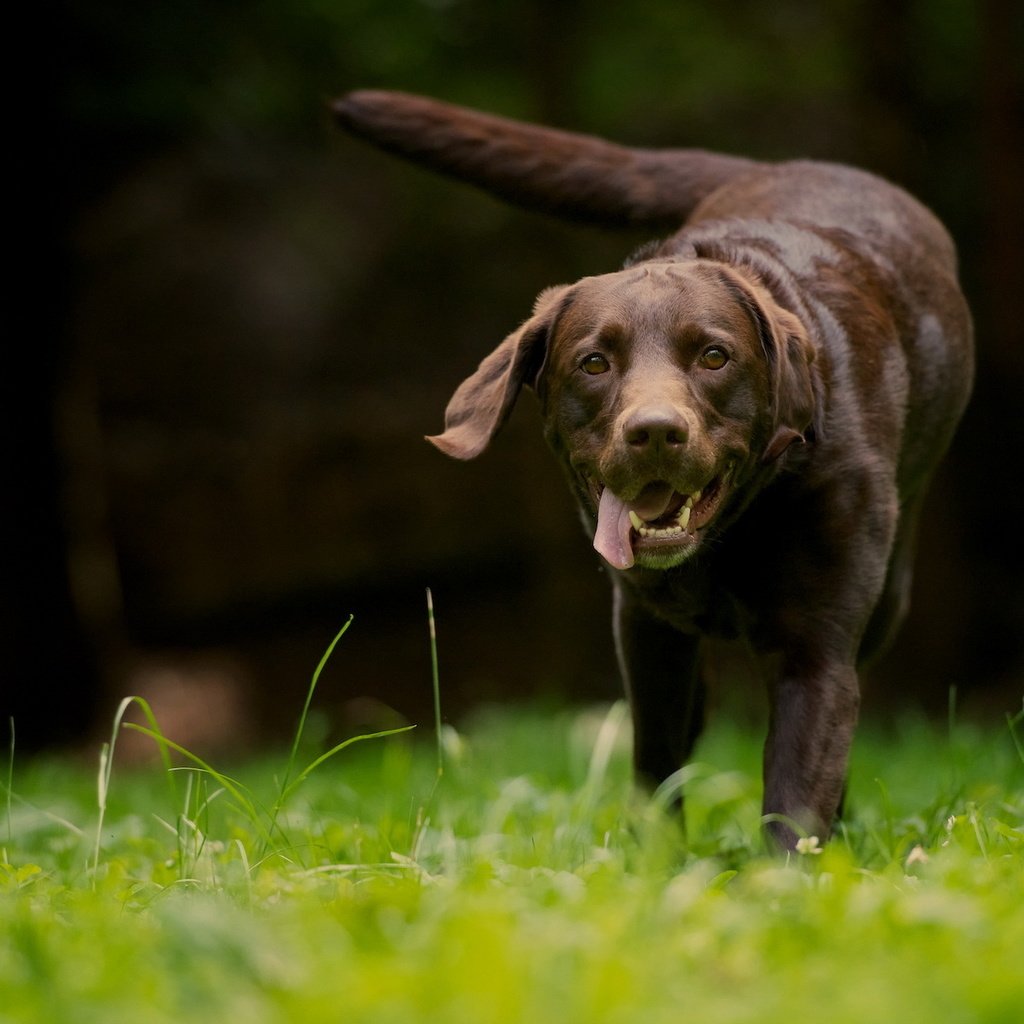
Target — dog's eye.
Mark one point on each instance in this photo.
(714, 358)
(595, 363)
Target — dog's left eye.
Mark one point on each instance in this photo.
(594, 363)
(714, 357)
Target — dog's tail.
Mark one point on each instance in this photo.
(573, 176)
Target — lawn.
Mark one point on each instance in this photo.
(526, 883)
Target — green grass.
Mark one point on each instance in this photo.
(525, 882)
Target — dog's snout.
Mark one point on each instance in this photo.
(656, 427)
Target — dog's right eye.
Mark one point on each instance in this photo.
(714, 357)
(595, 363)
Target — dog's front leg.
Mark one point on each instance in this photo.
(666, 695)
(813, 714)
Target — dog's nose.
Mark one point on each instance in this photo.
(655, 428)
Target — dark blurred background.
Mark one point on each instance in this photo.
(234, 325)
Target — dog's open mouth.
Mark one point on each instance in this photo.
(659, 527)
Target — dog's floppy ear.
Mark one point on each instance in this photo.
(789, 353)
(483, 401)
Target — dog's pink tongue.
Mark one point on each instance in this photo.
(612, 541)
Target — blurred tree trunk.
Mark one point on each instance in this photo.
(892, 107)
(969, 618)
(997, 599)
(553, 38)
(48, 673)
(1002, 155)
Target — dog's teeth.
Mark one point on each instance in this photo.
(696, 496)
(684, 516)
(667, 531)
(638, 523)
(689, 502)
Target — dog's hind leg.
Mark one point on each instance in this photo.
(894, 601)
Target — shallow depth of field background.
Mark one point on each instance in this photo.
(239, 324)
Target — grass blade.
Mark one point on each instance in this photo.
(10, 783)
(1011, 721)
(313, 765)
(435, 677)
(235, 788)
(293, 755)
(161, 741)
(601, 754)
(285, 787)
(103, 779)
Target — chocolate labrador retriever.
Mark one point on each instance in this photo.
(748, 414)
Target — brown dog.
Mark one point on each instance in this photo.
(748, 414)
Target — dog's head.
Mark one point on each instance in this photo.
(665, 388)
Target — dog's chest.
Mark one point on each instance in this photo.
(694, 600)
(736, 585)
